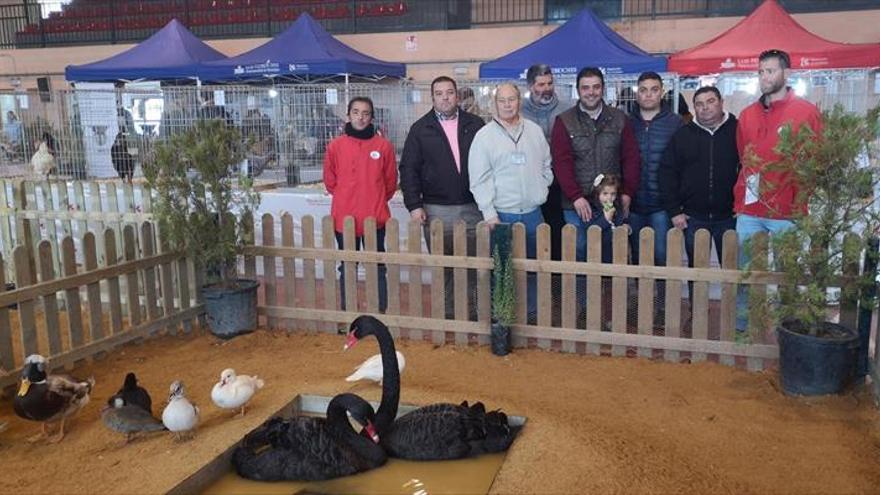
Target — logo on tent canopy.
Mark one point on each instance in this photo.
(728, 64)
(813, 62)
(297, 67)
(267, 67)
(557, 71)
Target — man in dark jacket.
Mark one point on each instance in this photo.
(654, 124)
(699, 170)
(434, 175)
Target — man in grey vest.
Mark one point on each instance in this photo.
(589, 139)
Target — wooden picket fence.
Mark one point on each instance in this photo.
(295, 296)
(143, 292)
(131, 294)
(31, 211)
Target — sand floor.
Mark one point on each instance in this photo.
(595, 424)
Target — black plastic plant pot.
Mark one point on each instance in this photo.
(500, 339)
(231, 307)
(821, 365)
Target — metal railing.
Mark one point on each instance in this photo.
(81, 22)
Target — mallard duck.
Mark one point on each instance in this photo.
(134, 395)
(49, 398)
(371, 369)
(180, 415)
(234, 391)
(128, 419)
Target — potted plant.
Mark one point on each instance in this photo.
(503, 291)
(839, 179)
(200, 211)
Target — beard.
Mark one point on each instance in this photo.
(544, 98)
(774, 87)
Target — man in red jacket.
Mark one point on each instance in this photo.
(765, 199)
(360, 172)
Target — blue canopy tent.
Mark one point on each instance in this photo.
(172, 53)
(581, 42)
(303, 51)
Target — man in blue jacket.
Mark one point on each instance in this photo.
(654, 124)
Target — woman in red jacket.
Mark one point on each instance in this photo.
(360, 172)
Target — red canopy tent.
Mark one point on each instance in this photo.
(770, 26)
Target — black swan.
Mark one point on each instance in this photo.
(311, 449)
(434, 432)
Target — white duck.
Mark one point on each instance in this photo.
(180, 415)
(371, 369)
(234, 391)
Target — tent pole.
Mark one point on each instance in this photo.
(346, 88)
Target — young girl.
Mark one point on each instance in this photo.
(607, 211)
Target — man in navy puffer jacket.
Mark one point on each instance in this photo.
(654, 124)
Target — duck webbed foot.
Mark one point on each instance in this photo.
(60, 435)
(40, 436)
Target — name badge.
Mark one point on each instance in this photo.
(518, 158)
(753, 183)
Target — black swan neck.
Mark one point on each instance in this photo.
(338, 422)
(390, 381)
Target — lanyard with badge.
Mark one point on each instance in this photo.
(516, 157)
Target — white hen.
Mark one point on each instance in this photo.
(234, 391)
(43, 163)
(180, 415)
(371, 369)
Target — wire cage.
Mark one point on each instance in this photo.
(285, 128)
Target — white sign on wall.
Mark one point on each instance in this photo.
(97, 114)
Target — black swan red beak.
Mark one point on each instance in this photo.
(352, 340)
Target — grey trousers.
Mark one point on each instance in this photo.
(450, 215)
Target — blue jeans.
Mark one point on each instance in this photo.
(580, 252)
(571, 218)
(531, 220)
(383, 281)
(746, 227)
(659, 221)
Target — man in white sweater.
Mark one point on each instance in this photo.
(510, 172)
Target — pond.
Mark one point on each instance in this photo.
(397, 476)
